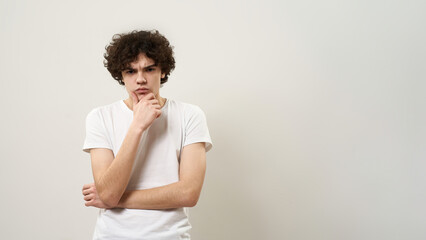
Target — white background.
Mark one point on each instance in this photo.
(316, 110)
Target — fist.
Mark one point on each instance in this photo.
(91, 197)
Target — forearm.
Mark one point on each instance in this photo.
(184, 193)
(175, 195)
(112, 182)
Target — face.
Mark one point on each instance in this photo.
(142, 77)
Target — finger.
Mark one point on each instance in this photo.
(88, 197)
(148, 96)
(148, 103)
(134, 97)
(89, 188)
(156, 107)
(154, 102)
(85, 186)
(89, 203)
(88, 185)
(87, 191)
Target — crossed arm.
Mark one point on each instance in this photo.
(112, 175)
(184, 193)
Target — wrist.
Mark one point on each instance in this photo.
(137, 128)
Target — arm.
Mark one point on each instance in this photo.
(184, 193)
(112, 175)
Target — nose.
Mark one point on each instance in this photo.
(140, 78)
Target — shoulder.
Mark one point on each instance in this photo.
(190, 114)
(194, 124)
(103, 111)
(107, 108)
(186, 108)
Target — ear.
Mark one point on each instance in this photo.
(163, 75)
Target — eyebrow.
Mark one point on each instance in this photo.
(152, 65)
(130, 68)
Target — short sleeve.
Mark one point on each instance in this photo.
(96, 133)
(196, 129)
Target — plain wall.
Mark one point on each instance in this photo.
(316, 110)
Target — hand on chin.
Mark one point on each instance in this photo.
(141, 95)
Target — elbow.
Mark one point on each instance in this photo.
(190, 198)
(110, 199)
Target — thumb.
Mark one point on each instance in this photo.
(134, 97)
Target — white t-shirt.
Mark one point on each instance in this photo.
(156, 164)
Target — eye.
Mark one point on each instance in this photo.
(150, 69)
(129, 71)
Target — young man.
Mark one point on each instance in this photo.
(148, 153)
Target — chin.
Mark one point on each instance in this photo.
(140, 96)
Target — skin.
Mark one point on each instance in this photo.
(141, 78)
(111, 175)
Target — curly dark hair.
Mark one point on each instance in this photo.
(125, 49)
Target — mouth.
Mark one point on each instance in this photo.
(142, 91)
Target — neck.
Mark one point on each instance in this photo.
(161, 100)
(129, 102)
